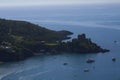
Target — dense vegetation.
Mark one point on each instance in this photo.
(21, 39)
(29, 31)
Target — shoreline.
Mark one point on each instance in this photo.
(18, 42)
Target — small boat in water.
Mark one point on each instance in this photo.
(65, 63)
(90, 60)
(86, 70)
(114, 59)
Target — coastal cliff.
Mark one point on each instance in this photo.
(20, 40)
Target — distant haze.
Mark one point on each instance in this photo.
(5, 3)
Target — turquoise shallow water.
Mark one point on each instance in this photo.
(101, 24)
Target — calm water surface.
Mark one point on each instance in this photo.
(101, 24)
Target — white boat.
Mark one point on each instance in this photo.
(90, 60)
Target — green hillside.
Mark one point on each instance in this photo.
(20, 40)
(29, 31)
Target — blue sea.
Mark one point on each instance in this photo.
(101, 23)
